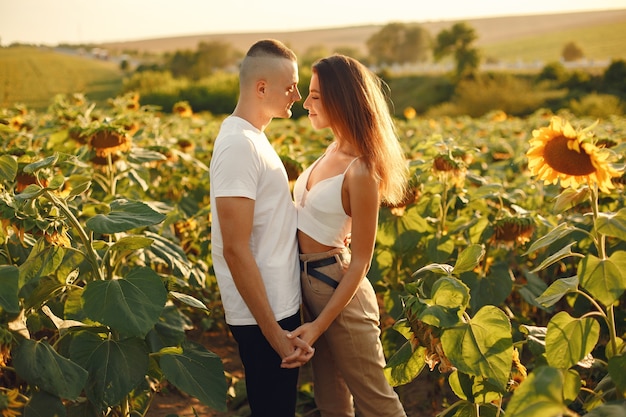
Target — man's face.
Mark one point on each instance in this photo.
(282, 89)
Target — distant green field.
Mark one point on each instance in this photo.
(603, 42)
(33, 76)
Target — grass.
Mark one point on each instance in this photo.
(33, 76)
(600, 42)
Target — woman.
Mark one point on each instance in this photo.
(339, 196)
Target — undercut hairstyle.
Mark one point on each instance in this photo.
(357, 104)
(271, 47)
(253, 64)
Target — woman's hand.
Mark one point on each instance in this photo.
(307, 332)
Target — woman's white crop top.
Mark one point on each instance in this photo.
(320, 210)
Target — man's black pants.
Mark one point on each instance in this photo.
(271, 390)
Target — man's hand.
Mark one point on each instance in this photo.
(307, 334)
(298, 351)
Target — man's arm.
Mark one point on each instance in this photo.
(236, 219)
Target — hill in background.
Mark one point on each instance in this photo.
(524, 31)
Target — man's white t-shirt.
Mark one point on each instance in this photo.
(244, 164)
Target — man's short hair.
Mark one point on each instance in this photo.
(271, 47)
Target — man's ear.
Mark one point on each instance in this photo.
(261, 85)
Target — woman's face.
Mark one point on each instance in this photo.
(315, 105)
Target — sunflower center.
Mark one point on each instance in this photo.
(565, 160)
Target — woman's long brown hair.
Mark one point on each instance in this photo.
(354, 98)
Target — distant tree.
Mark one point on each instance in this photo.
(124, 65)
(553, 71)
(180, 64)
(399, 43)
(312, 54)
(209, 57)
(572, 52)
(613, 79)
(457, 41)
(214, 55)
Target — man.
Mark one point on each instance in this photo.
(253, 241)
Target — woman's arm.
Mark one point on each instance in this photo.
(360, 191)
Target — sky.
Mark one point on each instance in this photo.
(51, 22)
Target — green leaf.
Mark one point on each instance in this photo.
(561, 254)
(468, 409)
(405, 365)
(608, 409)
(492, 289)
(534, 287)
(439, 249)
(142, 155)
(612, 224)
(169, 330)
(199, 373)
(79, 188)
(8, 167)
(535, 337)
(617, 365)
(604, 279)
(468, 259)
(443, 269)
(390, 226)
(475, 389)
(44, 163)
(115, 367)
(124, 215)
(130, 243)
(570, 198)
(482, 347)
(449, 298)
(569, 339)
(57, 182)
(43, 404)
(40, 365)
(42, 260)
(487, 191)
(189, 300)
(554, 235)
(170, 252)
(31, 191)
(9, 279)
(451, 293)
(557, 290)
(130, 305)
(440, 316)
(542, 393)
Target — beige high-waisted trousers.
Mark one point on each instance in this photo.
(348, 361)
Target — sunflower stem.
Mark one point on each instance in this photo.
(91, 255)
(599, 237)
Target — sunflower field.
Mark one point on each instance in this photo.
(503, 271)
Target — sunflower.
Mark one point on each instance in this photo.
(559, 152)
(10, 403)
(109, 141)
(518, 371)
(409, 113)
(60, 239)
(183, 109)
(508, 230)
(447, 166)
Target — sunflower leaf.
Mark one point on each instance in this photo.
(124, 215)
(612, 224)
